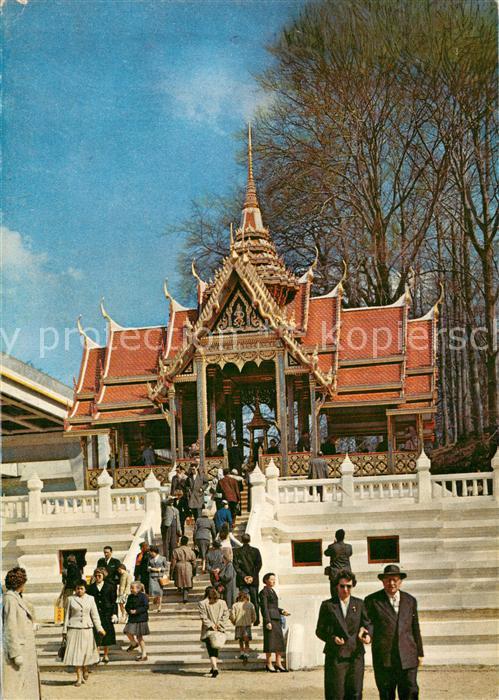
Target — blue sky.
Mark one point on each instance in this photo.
(117, 113)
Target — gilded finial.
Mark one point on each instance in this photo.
(251, 199)
(167, 294)
(231, 235)
(104, 312)
(195, 274)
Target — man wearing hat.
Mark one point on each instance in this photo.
(170, 527)
(397, 644)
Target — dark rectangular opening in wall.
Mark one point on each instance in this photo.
(79, 554)
(381, 550)
(306, 552)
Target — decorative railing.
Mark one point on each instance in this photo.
(127, 500)
(387, 487)
(462, 485)
(14, 508)
(309, 491)
(130, 477)
(82, 502)
(366, 463)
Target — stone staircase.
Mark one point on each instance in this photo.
(174, 642)
(451, 555)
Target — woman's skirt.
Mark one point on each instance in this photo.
(137, 629)
(81, 649)
(110, 637)
(155, 589)
(243, 631)
(203, 546)
(273, 640)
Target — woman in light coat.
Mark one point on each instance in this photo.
(79, 622)
(182, 567)
(20, 665)
(157, 567)
(214, 615)
(126, 580)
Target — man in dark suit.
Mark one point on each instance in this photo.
(318, 469)
(345, 627)
(247, 563)
(339, 553)
(110, 564)
(231, 492)
(397, 643)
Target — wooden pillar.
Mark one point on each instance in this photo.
(84, 453)
(112, 453)
(227, 386)
(282, 419)
(212, 371)
(390, 437)
(419, 429)
(173, 423)
(180, 426)
(201, 408)
(291, 415)
(95, 451)
(238, 415)
(314, 432)
(301, 404)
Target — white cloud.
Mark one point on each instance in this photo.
(208, 94)
(19, 260)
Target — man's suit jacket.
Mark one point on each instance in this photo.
(111, 567)
(391, 632)
(230, 489)
(339, 553)
(318, 468)
(332, 623)
(247, 562)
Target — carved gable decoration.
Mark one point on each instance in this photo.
(239, 316)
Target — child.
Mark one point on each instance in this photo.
(137, 626)
(243, 615)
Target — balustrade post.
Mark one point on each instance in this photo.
(257, 481)
(495, 466)
(347, 469)
(104, 484)
(153, 500)
(272, 475)
(35, 485)
(423, 465)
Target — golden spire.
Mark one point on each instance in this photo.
(251, 199)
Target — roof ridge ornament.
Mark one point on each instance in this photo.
(195, 274)
(175, 306)
(90, 341)
(112, 323)
(251, 198)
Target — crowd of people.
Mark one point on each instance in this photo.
(387, 618)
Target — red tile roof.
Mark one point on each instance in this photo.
(369, 375)
(123, 393)
(321, 322)
(371, 332)
(370, 396)
(134, 352)
(418, 384)
(419, 343)
(81, 409)
(128, 413)
(296, 308)
(91, 366)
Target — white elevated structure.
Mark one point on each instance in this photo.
(448, 533)
(38, 526)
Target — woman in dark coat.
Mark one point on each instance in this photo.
(137, 627)
(105, 599)
(273, 638)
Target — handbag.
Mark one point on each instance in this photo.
(217, 639)
(163, 581)
(62, 650)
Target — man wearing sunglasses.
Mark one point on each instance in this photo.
(345, 627)
(397, 643)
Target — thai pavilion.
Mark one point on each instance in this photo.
(258, 342)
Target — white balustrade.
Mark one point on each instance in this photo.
(461, 485)
(309, 490)
(80, 502)
(14, 508)
(128, 500)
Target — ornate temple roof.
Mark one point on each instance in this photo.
(357, 356)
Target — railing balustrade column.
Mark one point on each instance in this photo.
(495, 481)
(423, 466)
(257, 481)
(153, 500)
(35, 485)
(104, 483)
(347, 487)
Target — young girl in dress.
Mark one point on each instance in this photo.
(137, 627)
(243, 616)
